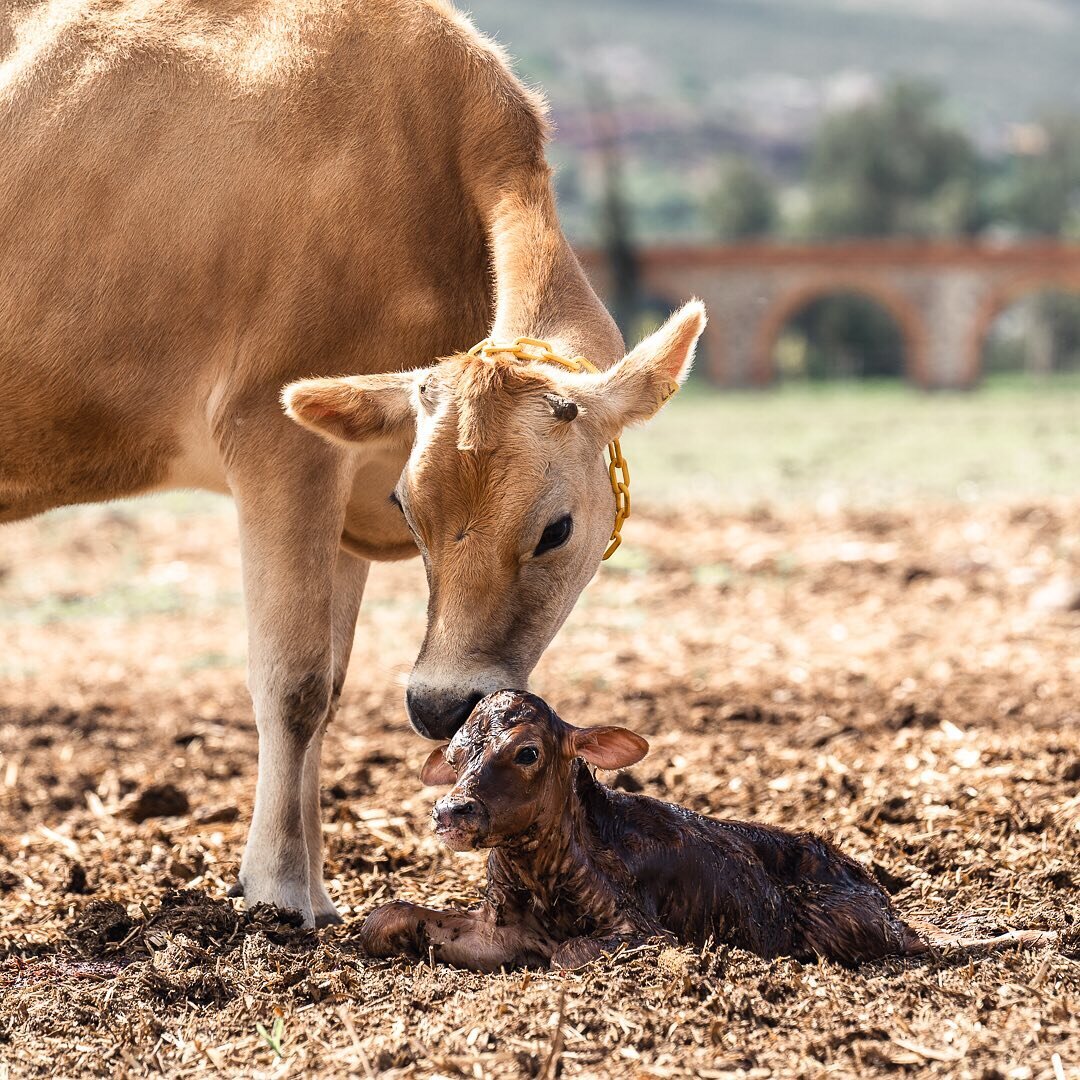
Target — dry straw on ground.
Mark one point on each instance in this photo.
(909, 683)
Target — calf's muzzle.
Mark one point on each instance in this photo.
(460, 822)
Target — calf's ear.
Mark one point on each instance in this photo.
(356, 408)
(609, 747)
(638, 385)
(436, 770)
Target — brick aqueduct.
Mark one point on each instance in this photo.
(943, 296)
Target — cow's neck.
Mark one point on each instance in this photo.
(541, 290)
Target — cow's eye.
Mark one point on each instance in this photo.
(527, 755)
(555, 535)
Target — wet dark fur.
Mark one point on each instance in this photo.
(609, 867)
(635, 860)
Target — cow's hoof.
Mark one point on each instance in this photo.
(323, 907)
(285, 896)
(576, 953)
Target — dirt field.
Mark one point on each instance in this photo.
(906, 681)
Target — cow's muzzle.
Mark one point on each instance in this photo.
(437, 714)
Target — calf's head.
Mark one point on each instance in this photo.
(510, 764)
(506, 492)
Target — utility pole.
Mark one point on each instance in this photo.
(616, 228)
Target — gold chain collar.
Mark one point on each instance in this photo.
(525, 348)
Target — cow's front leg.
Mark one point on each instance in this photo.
(290, 497)
(470, 939)
(350, 574)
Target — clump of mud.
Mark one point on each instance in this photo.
(106, 928)
(157, 801)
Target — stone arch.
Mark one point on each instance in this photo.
(907, 317)
(999, 299)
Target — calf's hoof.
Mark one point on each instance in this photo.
(576, 953)
(394, 929)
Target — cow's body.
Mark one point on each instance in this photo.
(201, 201)
(198, 207)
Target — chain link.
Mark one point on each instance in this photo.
(525, 348)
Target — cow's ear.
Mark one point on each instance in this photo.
(357, 408)
(437, 770)
(609, 747)
(642, 381)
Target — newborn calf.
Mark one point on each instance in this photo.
(577, 868)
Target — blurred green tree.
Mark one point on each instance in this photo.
(742, 204)
(894, 167)
(842, 336)
(1042, 198)
(1042, 190)
(1039, 334)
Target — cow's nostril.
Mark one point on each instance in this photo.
(456, 714)
(463, 809)
(418, 713)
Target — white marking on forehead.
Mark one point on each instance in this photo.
(426, 425)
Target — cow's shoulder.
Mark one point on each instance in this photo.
(498, 114)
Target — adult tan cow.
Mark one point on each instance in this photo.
(202, 201)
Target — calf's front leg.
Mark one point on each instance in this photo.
(469, 939)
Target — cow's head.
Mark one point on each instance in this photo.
(506, 492)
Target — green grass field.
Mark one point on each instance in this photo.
(799, 447)
(861, 445)
(857, 444)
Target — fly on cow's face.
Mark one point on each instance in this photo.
(426, 391)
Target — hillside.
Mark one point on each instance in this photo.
(1001, 60)
(695, 80)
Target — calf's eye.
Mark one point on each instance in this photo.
(527, 755)
(555, 535)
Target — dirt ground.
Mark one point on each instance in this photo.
(907, 682)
